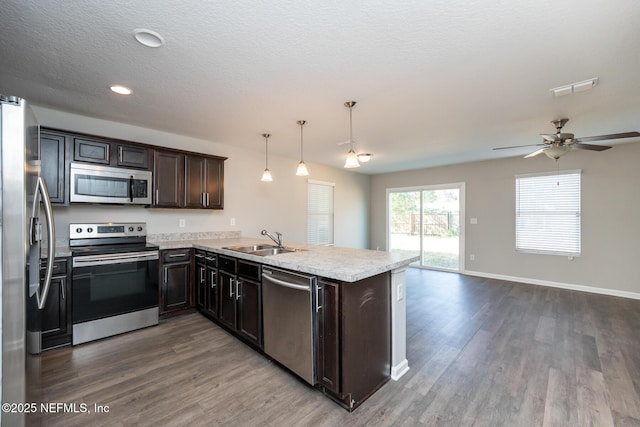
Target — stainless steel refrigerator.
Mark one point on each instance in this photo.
(22, 226)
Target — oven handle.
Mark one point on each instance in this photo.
(91, 260)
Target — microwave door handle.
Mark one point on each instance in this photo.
(131, 188)
(51, 242)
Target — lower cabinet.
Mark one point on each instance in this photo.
(176, 287)
(56, 315)
(354, 338)
(207, 283)
(241, 298)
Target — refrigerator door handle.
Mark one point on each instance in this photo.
(41, 187)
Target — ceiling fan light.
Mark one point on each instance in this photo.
(302, 169)
(556, 152)
(352, 160)
(266, 176)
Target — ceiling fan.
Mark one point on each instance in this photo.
(556, 145)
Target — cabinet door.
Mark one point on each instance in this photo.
(195, 178)
(329, 337)
(52, 150)
(211, 303)
(227, 313)
(176, 293)
(132, 157)
(54, 314)
(215, 183)
(168, 179)
(91, 151)
(250, 311)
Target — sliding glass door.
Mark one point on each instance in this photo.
(428, 221)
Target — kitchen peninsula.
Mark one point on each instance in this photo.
(362, 298)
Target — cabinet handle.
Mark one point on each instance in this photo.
(238, 284)
(207, 199)
(199, 256)
(231, 288)
(157, 196)
(62, 288)
(213, 280)
(120, 154)
(165, 274)
(203, 277)
(318, 306)
(177, 255)
(210, 258)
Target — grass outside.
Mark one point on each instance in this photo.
(440, 251)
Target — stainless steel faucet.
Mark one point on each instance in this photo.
(277, 241)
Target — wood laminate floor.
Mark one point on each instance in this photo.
(482, 352)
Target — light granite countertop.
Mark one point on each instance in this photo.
(344, 264)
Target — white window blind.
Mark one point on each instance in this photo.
(320, 213)
(548, 213)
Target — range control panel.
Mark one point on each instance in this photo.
(107, 229)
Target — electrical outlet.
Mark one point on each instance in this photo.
(182, 223)
(400, 292)
(232, 222)
(473, 221)
(472, 257)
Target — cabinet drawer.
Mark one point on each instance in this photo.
(59, 267)
(176, 255)
(212, 259)
(227, 264)
(249, 270)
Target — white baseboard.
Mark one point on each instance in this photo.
(399, 370)
(591, 289)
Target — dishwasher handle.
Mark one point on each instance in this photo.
(286, 284)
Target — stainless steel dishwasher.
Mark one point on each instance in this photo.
(289, 306)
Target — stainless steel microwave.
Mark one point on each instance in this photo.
(102, 184)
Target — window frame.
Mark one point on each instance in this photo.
(571, 208)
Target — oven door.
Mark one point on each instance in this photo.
(100, 184)
(114, 284)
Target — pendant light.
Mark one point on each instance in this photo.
(266, 175)
(302, 168)
(352, 158)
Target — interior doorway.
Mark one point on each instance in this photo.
(428, 221)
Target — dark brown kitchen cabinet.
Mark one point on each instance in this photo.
(168, 179)
(176, 288)
(52, 155)
(56, 315)
(241, 298)
(354, 338)
(204, 182)
(207, 283)
(131, 156)
(91, 150)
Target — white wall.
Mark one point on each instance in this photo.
(610, 217)
(277, 206)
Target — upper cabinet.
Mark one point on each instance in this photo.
(168, 179)
(181, 179)
(52, 155)
(204, 182)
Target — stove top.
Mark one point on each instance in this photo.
(109, 237)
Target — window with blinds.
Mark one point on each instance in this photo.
(548, 213)
(320, 213)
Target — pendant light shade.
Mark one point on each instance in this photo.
(352, 158)
(302, 168)
(266, 175)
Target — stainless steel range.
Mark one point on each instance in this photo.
(114, 279)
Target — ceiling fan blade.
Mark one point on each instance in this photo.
(343, 143)
(591, 147)
(611, 136)
(518, 146)
(535, 153)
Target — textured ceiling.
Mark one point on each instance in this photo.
(437, 82)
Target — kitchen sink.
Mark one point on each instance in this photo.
(250, 249)
(261, 250)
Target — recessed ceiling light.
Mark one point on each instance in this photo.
(121, 90)
(148, 38)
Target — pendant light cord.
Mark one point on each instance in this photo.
(301, 125)
(351, 127)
